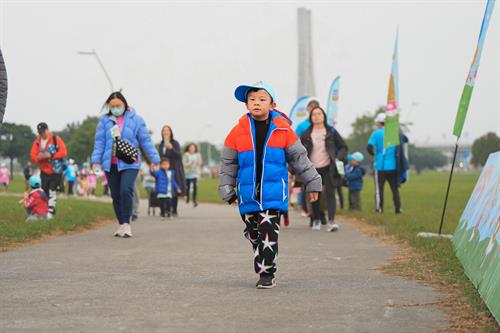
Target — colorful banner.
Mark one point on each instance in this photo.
(477, 237)
(299, 113)
(332, 106)
(463, 106)
(391, 132)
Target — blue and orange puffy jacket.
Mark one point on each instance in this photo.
(238, 167)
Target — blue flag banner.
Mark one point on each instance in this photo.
(299, 113)
(332, 107)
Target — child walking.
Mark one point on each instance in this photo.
(354, 175)
(254, 173)
(36, 201)
(166, 187)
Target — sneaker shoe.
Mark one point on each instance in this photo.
(304, 214)
(119, 231)
(127, 230)
(50, 216)
(316, 225)
(195, 204)
(332, 226)
(287, 221)
(266, 282)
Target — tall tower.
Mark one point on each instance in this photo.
(306, 71)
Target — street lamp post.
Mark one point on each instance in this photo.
(94, 53)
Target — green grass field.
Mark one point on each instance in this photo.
(71, 215)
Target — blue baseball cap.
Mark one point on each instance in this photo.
(35, 181)
(241, 92)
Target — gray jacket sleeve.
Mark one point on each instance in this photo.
(296, 156)
(3, 87)
(228, 173)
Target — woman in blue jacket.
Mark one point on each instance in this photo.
(123, 122)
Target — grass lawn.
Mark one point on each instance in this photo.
(422, 201)
(71, 215)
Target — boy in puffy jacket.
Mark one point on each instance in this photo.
(354, 175)
(36, 201)
(166, 187)
(254, 173)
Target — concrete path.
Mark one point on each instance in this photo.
(195, 274)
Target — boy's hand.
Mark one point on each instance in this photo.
(313, 196)
(233, 199)
(179, 191)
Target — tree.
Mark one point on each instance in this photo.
(483, 146)
(208, 150)
(426, 158)
(16, 141)
(81, 142)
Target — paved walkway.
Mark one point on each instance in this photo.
(195, 274)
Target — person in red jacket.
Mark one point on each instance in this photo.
(49, 152)
(35, 201)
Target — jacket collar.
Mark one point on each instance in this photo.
(39, 138)
(278, 120)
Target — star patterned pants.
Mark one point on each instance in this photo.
(262, 230)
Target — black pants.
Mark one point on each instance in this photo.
(340, 193)
(70, 187)
(391, 178)
(193, 181)
(262, 229)
(50, 184)
(355, 199)
(165, 206)
(329, 193)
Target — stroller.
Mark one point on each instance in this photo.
(153, 202)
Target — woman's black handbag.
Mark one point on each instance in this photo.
(125, 151)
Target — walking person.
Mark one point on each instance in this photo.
(391, 165)
(118, 135)
(254, 172)
(71, 174)
(166, 187)
(171, 149)
(354, 175)
(4, 176)
(192, 164)
(49, 152)
(326, 149)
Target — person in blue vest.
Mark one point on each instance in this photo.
(390, 165)
(121, 122)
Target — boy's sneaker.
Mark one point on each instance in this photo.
(316, 225)
(287, 221)
(119, 231)
(266, 282)
(332, 226)
(127, 230)
(50, 216)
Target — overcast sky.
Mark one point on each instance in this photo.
(179, 62)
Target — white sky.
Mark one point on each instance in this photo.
(179, 62)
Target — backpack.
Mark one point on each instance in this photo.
(58, 165)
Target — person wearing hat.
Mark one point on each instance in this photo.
(49, 152)
(254, 173)
(35, 201)
(390, 164)
(354, 173)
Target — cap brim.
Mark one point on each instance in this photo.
(241, 93)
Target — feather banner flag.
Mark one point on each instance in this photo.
(471, 77)
(299, 113)
(332, 107)
(391, 131)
